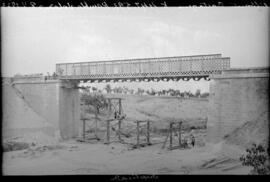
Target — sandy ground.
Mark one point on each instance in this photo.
(50, 157)
(84, 158)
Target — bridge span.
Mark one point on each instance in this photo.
(146, 69)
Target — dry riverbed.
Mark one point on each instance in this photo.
(85, 158)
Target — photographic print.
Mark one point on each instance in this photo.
(135, 90)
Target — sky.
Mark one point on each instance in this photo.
(35, 39)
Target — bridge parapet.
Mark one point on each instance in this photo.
(33, 78)
(252, 72)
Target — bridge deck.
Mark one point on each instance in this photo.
(172, 67)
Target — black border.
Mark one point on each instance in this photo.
(130, 3)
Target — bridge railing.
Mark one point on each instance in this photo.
(33, 78)
(204, 64)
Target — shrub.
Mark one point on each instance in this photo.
(12, 146)
(96, 100)
(257, 158)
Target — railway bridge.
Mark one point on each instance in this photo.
(236, 94)
(147, 69)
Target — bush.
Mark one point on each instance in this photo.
(12, 146)
(257, 158)
(98, 101)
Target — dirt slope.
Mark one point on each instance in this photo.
(255, 131)
(161, 109)
(20, 122)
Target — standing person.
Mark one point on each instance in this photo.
(192, 140)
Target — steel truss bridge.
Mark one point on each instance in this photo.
(147, 69)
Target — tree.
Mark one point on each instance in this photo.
(152, 92)
(198, 93)
(182, 94)
(190, 94)
(140, 91)
(54, 75)
(177, 93)
(108, 88)
(118, 90)
(163, 92)
(125, 90)
(94, 89)
(98, 101)
(257, 158)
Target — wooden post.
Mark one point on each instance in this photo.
(171, 133)
(96, 124)
(119, 130)
(84, 129)
(110, 105)
(138, 135)
(148, 133)
(179, 133)
(108, 132)
(120, 107)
